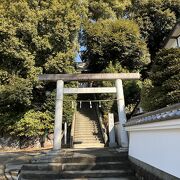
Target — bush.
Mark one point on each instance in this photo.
(33, 124)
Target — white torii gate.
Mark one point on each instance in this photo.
(60, 78)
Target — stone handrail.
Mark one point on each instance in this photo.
(102, 127)
(62, 134)
(72, 130)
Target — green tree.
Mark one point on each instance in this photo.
(155, 18)
(131, 91)
(35, 37)
(105, 9)
(114, 41)
(163, 87)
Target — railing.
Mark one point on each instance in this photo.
(72, 130)
(117, 132)
(102, 127)
(62, 135)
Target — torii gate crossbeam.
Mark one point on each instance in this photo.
(60, 78)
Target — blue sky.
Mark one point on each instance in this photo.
(78, 58)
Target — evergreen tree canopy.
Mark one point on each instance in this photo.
(163, 87)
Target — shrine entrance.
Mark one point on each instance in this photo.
(60, 91)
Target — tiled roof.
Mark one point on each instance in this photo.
(174, 33)
(167, 113)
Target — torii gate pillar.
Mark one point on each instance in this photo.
(60, 78)
(122, 134)
(58, 115)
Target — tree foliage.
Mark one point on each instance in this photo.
(163, 87)
(110, 36)
(116, 41)
(105, 9)
(131, 91)
(35, 37)
(155, 18)
(33, 124)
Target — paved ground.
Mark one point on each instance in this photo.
(18, 157)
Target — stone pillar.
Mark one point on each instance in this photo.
(65, 133)
(112, 142)
(58, 115)
(122, 134)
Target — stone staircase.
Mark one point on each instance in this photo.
(79, 164)
(87, 132)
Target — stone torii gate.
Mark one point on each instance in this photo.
(60, 78)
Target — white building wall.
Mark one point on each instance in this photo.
(157, 144)
(174, 44)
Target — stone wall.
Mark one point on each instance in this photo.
(11, 142)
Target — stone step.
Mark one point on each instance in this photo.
(88, 135)
(92, 131)
(86, 138)
(86, 126)
(11, 167)
(80, 137)
(47, 175)
(77, 166)
(83, 134)
(77, 141)
(12, 171)
(109, 178)
(80, 159)
(84, 130)
(12, 175)
(79, 122)
(89, 131)
(88, 145)
(82, 126)
(87, 121)
(86, 118)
